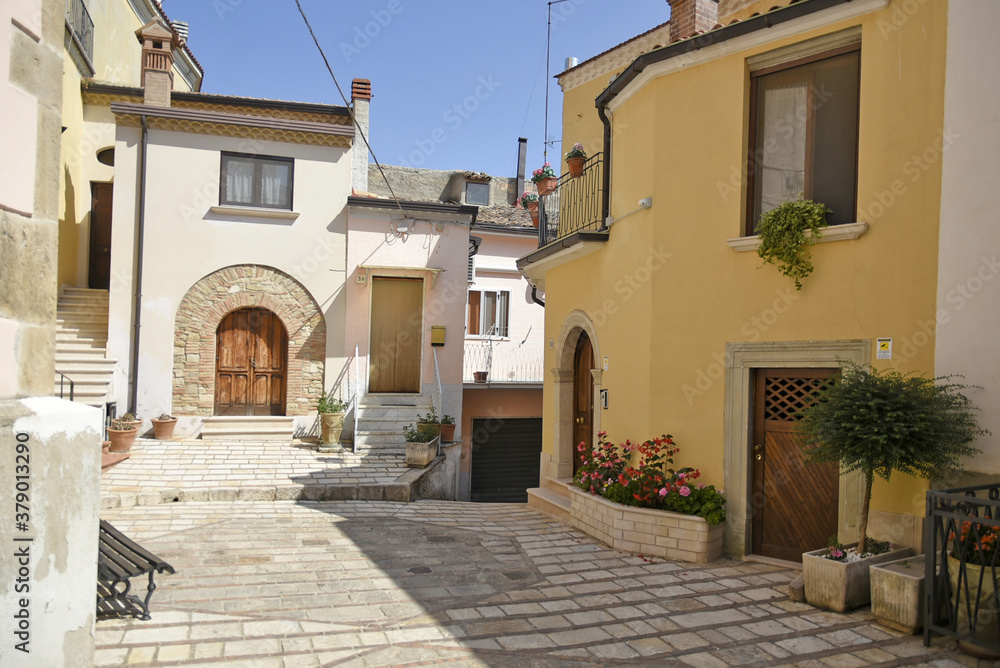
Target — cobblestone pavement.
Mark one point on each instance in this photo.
(287, 584)
(192, 470)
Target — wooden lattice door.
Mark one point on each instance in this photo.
(251, 363)
(794, 502)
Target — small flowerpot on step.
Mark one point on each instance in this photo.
(122, 439)
(447, 433)
(163, 430)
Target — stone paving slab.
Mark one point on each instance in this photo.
(353, 583)
(195, 470)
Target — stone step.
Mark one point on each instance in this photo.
(81, 319)
(248, 428)
(384, 424)
(558, 485)
(79, 352)
(417, 401)
(551, 503)
(73, 337)
(74, 365)
(393, 412)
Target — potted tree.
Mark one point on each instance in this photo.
(876, 422)
(163, 427)
(447, 428)
(575, 159)
(529, 201)
(421, 444)
(783, 236)
(331, 417)
(122, 433)
(545, 180)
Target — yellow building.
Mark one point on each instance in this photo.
(659, 315)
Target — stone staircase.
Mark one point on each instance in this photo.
(552, 498)
(248, 428)
(81, 345)
(381, 418)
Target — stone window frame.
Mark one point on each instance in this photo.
(742, 358)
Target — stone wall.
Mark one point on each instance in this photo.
(247, 286)
(646, 531)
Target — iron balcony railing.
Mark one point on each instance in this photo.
(79, 20)
(575, 205)
(502, 362)
(961, 562)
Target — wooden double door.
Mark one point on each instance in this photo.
(794, 503)
(583, 400)
(251, 364)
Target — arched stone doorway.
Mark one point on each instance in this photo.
(571, 388)
(222, 292)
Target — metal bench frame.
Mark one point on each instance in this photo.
(119, 559)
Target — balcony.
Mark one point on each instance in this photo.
(570, 222)
(503, 362)
(80, 36)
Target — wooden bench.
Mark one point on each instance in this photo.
(118, 560)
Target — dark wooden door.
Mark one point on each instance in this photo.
(99, 267)
(794, 503)
(251, 360)
(396, 326)
(583, 399)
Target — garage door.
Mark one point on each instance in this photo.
(505, 458)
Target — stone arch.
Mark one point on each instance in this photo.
(216, 295)
(576, 322)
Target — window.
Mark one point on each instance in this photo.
(252, 181)
(804, 134)
(477, 193)
(488, 311)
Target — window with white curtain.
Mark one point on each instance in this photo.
(804, 134)
(256, 181)
(488, 313)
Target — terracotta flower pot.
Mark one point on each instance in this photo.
(163, 430)
(122, 439)
(547, 186)
(479, 376)
(533, 211)
(575, 166)
(447, 433)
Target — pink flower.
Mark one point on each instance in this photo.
(684, 490)
(663, 491)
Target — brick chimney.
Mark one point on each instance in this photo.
(361, 95)
(158, 41)
(690, 16)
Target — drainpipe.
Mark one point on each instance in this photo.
(140, 224)
(534, 297)
(606, 177)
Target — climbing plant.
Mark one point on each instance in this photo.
(783, 239)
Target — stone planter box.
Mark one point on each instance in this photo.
(898, 594)
(419, 455)
(842, 585)
(644, 530)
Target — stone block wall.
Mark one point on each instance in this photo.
(646, 531)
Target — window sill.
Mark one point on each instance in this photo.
(254, 212)
(832, 233)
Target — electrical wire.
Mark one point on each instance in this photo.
(349, 109)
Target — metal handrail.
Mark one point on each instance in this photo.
(575, 205)
(63, 377)
(437, 401)
(78, 18)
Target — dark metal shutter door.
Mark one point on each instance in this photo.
(505, 459)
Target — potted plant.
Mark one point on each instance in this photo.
(447, 428)
(545, 179)
(898, 594)
(783, 237)
(973, 586)
(331, 417)
(122, 433)
(429, 422)
(163, 427)
(421, 444)
(529, 201)
(575, 159)
(876, 422)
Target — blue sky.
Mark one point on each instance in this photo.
(454, 83)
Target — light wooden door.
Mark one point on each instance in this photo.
(251, 361)
(396, 328)
(794, 502)
(583, 399)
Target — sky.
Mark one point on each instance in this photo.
(454, 83)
